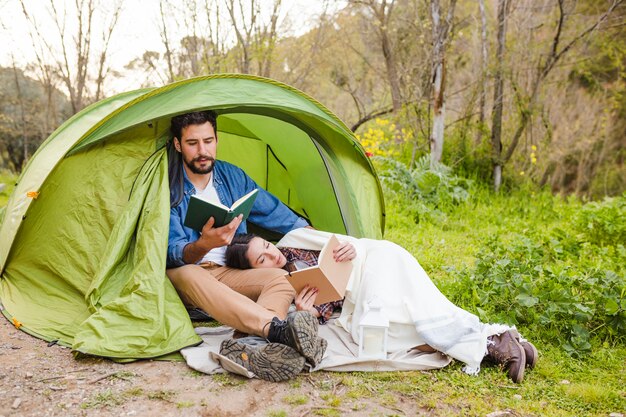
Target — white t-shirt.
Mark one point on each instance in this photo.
(217, 255)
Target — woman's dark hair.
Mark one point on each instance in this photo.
(175, 158)
(237, 250)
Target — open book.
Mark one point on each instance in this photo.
(200, 210)
(329, 277)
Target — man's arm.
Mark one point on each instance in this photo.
(177, 239)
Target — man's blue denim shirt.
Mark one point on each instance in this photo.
(231, 183)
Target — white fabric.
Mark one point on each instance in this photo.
(217, 255)
(418, 312)
(340, 356)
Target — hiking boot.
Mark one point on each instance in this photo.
(529, 349)
(506, 351)
(273, 362)
(531, 353)
(319, 354)
(298, 331)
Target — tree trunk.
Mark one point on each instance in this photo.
(496, 124)
(440, 31)
(20, 98)
(166, 44)
(483, 66)
(439, 109)
(383, 14)
(243, 33)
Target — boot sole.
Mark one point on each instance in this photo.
(319, 354)
(304, 335)
(273, 362)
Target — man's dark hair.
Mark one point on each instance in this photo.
(195, 118)
(237, 250)
(175, 158)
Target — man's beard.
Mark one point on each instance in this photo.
(198, 170)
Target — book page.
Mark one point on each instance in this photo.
(244, 198)
(215, 203)
(314, 277)
(329, 277)
(337, 272)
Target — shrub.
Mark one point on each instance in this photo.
(604, 223)
(552, 284)
(422, 191)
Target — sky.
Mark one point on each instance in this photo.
(137, 30)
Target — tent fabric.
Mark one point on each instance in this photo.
(84, 234)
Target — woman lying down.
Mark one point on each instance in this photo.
(420, 316)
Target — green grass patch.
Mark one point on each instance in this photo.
(229, 380)
(161, 395)
(296, 399)
(277, 413)
(8, 180)
(105, 398)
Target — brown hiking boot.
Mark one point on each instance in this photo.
(531, 353)
(506, 351)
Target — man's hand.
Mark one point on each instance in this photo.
(211, 238)
(219, 236)
(305, 300)
(344, 252)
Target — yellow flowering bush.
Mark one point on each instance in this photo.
(380, 139)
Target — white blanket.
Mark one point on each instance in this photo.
(418, 312)
(341, 354)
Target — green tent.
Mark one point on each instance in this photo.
(84, 235)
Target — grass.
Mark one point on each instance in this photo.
(105, 398)
(559, 386)
(8, 180)
(161, 395)
(592, 385)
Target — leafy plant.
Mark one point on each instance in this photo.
(539, 282)
(604, 223)
(424, 191)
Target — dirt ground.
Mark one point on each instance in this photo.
(41, 380)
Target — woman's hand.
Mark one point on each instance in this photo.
(306, 299)
(344, 252)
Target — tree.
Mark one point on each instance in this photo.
(256, 38)
(381, 11)
(496, 124)
(23, 126)
(440, 34)
(484, 58)
(527, 101)
(74, 60)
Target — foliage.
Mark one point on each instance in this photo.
(561, 285)
(604, 222)
(8, 181)
(381, 140)
(26, 116)
(424, 191)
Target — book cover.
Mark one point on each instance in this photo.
(200, 210)
(329, 277)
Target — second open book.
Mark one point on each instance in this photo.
(329, 277)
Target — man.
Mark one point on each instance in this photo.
(251, 301)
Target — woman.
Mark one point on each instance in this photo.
(419, 315)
